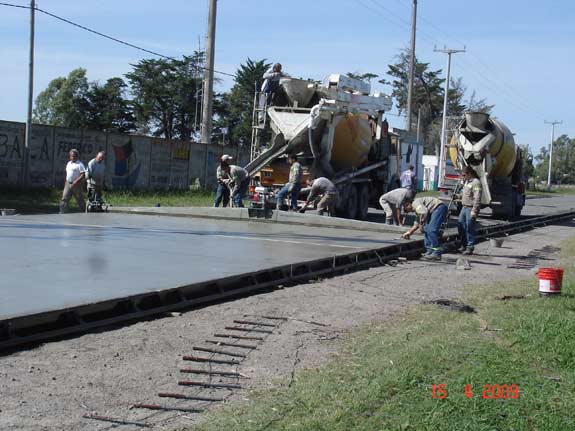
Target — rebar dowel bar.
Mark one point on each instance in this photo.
(116, 421)
(209, 385)
(237, 328)
(239, 337)
(219, 352)
(223, 343)
(210, 372)
(248, 322)
(168, 409)
(215, 361)
(189, 397)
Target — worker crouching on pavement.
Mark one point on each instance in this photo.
(223, 190)
(75, 174)
(391, 203)
(293, 185)
(329, 196)
(430, 214)
(471, 201)
(240, 178)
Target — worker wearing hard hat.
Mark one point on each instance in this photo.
(240, 179)
(391, 203)
(471, 201)
(329, 196)
(293, 185)
(430, 214)
(223, 190)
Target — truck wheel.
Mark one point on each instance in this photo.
(350, 210)
(362, 201)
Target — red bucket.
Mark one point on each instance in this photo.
(550, 281)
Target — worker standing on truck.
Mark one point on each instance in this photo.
(329, 196)
(471, 202)
(293, 185)
(407, 178)
(270, 86)
(392, 202)
(241, 180)
(223, 190)
(430, 214)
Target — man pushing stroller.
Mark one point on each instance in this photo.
(96, 177)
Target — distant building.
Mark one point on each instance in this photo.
(429, 179)
(411, 153)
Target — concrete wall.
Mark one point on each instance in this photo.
(132, 161)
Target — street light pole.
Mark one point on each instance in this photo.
(553, 124)
(442, 152)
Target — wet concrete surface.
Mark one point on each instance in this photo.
(51, 262)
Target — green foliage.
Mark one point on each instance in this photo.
(64, 102)
(72, 101)
(362, 76)
(166, 95)
(563, 166)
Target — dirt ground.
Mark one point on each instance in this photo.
(52, 386)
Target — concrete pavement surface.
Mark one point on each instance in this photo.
(51, 262)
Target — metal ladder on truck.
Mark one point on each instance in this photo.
(257, 125)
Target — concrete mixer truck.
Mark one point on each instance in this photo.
(337, 129)
(487, 145)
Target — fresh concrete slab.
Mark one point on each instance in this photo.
(52, 262)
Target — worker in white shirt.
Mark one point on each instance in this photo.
(407, 178)
(471, 205)
(75, 174)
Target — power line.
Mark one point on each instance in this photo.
(106, 36)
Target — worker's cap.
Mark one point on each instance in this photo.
(226, 158)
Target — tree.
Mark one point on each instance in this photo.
(166, 93)
(107, 109)
(235, 107)
(362, 76)
(427, 98)
(63, 102)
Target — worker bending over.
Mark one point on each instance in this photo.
(430, 214)
(223, 190)
(293, 185)
(329, 196)
(391, 203)
(96, 177)
(240, 178)
(471, 201)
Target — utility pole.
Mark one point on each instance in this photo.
(553, 124)
(442, 152)
(206, 127)
(411, 65)
(28, 140)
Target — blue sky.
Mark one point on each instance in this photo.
(519, 54)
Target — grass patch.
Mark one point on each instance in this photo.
(382, 380)
(47, 200)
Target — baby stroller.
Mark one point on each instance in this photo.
(95, 201)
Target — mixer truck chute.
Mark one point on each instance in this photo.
(487, 145)
(337, 129)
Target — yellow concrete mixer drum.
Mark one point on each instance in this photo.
(351, 143)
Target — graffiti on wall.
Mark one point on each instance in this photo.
(126, 165)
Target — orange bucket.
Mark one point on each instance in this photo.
(550, 281)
